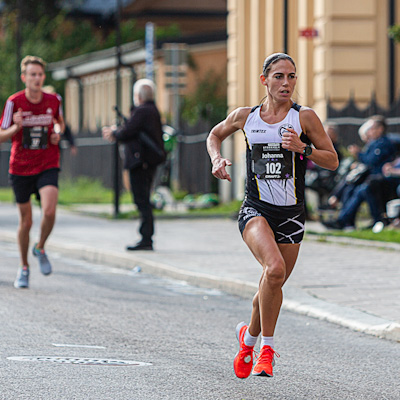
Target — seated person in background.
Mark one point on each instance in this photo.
(378, 151)
(385, 188)
(344, 189)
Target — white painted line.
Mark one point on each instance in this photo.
(80, 361)
(78, 345)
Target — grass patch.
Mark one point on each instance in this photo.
(387, 235)
(228, 209)
(84, 190)
(6, 195)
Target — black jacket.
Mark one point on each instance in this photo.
(145, 121)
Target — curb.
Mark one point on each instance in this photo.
(295, 299)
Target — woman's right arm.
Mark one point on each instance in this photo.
(233, 122)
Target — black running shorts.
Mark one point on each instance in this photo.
(25, 186)
(287, 222)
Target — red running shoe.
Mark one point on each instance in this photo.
(243, 362)
(265, 362)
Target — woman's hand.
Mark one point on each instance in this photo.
(219, 165)
(291, 141)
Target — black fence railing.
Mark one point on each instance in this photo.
(351, 117)
(94, 159)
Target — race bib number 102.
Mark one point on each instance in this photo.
(271, 161)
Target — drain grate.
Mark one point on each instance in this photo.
(81, 361)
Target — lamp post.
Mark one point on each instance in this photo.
(118, 104)
(18, 45)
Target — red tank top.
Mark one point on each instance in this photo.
(31, 150)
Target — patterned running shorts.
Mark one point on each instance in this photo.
(287, 222)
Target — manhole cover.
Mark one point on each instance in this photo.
(82, 361)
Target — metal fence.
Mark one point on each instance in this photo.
(350, 118)
(94, 159)
(95, 156)
(195, 166)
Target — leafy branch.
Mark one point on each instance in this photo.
(394, 33)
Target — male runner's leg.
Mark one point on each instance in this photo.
(48, 200)
(25, 224)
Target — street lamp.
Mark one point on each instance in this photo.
(118, 106)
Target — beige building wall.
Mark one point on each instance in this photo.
(349, 57)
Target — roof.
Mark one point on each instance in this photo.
(97, 61)
(131, 53)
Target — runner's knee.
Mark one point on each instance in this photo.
(26, 223)
(49, 212)
(275, 273)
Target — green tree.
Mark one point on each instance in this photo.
(33, 10)
(47, 31)
(208, 102)
(52, 38)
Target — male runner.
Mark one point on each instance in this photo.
(33, 121)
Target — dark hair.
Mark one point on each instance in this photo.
(272, 59)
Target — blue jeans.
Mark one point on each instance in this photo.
(360, 194)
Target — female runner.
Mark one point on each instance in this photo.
(280, 136)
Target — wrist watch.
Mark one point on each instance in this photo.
(307, 150)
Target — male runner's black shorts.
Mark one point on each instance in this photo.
(287, 222)
(25, 186)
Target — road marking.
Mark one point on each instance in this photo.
(78, 345)
(81, 361)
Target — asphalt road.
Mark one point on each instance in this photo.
(179, 339)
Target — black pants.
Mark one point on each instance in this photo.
(141, 180)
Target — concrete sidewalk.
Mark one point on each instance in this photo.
(352, 283)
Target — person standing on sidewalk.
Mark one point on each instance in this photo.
(278, 135)
(33, 121)
(142, 129)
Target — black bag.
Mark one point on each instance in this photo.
(133, 154)
(358, 174)
(152, 153)
(142, 150)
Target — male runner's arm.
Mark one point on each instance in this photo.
(233, 122)
(58, 130)
(8, 133)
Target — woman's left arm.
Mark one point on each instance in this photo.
(324, 154)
